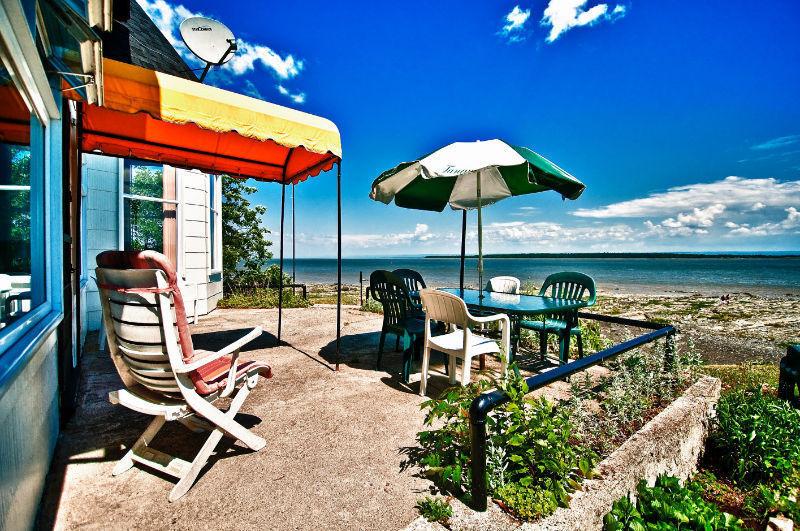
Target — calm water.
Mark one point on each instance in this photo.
(758, 275)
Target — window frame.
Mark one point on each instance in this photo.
(124, 170)
(214, 223)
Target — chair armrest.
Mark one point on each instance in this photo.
(489, 318)
(230, 349)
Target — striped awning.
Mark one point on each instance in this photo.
(162, 118)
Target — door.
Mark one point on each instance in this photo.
(69, 347)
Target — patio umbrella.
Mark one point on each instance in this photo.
(471, 175)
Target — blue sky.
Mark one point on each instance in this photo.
(681, 117)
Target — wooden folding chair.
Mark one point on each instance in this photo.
(164, 376)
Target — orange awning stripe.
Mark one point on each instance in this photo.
(162, 118)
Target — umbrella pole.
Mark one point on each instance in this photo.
(463, 248)
(280, 280)
(480, 240)
(294, 256)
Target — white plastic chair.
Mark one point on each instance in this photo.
(461, 343)
(503, 285)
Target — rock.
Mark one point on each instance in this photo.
(779, 523)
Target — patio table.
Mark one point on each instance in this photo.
(518, 307)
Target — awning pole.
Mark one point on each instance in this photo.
(280, 281)
(294, 271)
(339, 260)
(463, 248)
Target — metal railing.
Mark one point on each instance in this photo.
(486, 402)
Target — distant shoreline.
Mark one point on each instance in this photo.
(617, 255)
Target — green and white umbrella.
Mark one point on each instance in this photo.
(471, 175)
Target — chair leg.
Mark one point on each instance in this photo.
(144, 439)
(446, 363)
(563, 348)
(482, 362)
(452, 371)
(426, 357)
(380, 348)
(466, 369)
(543, 344)
(200, 460)
(580, 346)
(397, 343)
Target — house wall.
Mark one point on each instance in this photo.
(28, 434)
(101, 176)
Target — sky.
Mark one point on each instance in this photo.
(681, 117)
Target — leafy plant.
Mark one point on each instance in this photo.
(534, 459)
(756, 438)
(668, 505)
(262, 298)
(766, 502)
(434, 509)
(245, 252)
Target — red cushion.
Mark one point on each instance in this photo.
(215, 374)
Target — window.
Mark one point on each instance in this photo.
(149, 209)
(22, 249)
(215, 222)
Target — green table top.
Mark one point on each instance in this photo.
(515, 304)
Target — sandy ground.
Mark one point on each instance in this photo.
(333, 457)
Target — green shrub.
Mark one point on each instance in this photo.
(756, 439)
(607, 411)
(372, 306)
(262, 298)
(434, 509)
(534, 459)
(665, 506)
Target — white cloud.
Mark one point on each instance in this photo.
(545, 233)
(563, 15)
(732, 192)
(168, 18)
(298, 97)
(698, 221)
(790, 224)
(421, 234)
(776, 143)
(515, 22)
(251, 89)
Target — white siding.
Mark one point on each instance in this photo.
(101, 178)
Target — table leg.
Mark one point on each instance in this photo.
(514, 339)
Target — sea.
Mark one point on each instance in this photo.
(759, 275)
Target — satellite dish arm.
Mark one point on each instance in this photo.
(232, 47)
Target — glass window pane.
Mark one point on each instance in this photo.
(146, 180)
(22, 257)
(144, 225)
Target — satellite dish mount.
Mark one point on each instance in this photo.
(211, 41)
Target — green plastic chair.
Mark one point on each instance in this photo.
(399, 316)
(412, 280)
(566, 285)
(789, 379)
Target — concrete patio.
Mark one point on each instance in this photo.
(334, 452)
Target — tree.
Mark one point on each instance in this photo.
(245, 247)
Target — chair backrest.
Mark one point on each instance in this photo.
(412, 280)
(389, 290)
(569, 285)
(136, 288)
(503, 285)
(444, 307)
(134, 324)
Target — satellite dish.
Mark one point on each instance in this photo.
(209, 40)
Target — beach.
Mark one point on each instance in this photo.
(724, 327)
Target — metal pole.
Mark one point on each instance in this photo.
(463, 248)
(280, 281)
(361, 287)
(339, 260)
(480, 240)
(294, 276)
